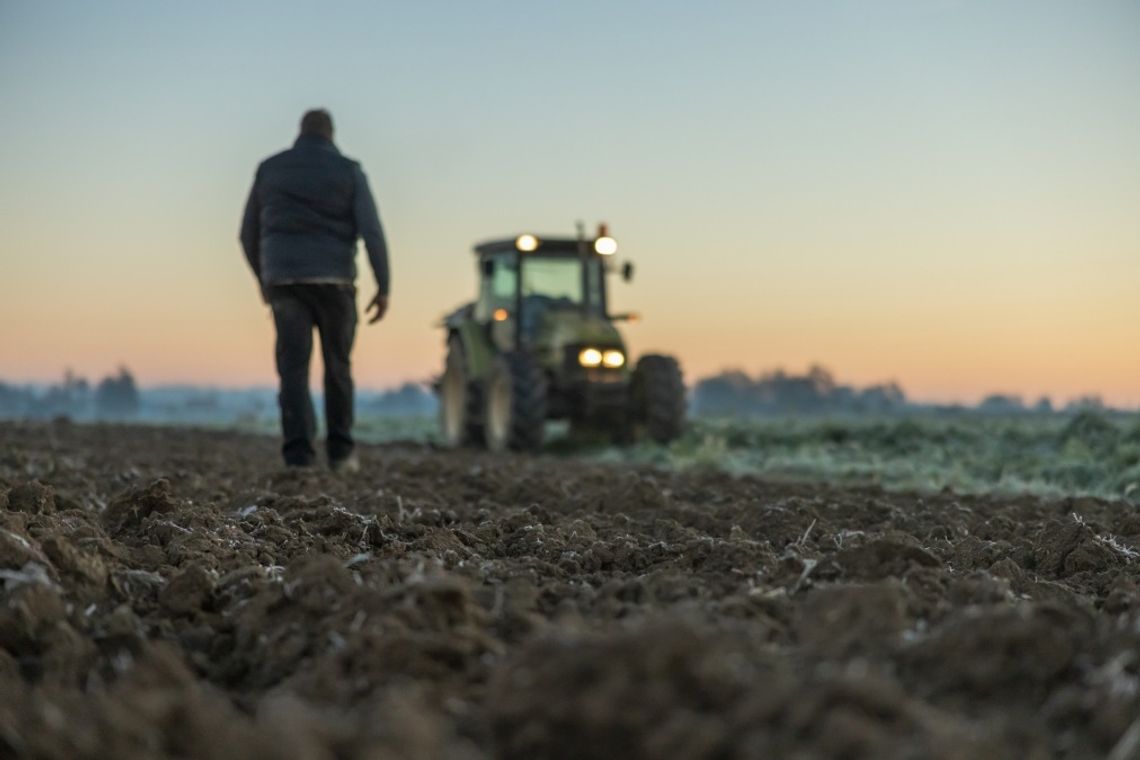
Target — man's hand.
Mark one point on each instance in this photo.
(376, 308)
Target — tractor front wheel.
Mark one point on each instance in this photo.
(458, 400)
(515, 411)
(659, 397)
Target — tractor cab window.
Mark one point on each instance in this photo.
(561, 283)
(551, 285)
(548, 284)
(498, 284)
(554, 283)
(504, 281)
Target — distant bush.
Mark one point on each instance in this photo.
(1002, 404)
(117, 396)
(1092, 430)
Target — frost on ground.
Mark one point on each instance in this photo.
(171, 593)
(1088, 454)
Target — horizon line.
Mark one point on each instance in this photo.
(1058, 402)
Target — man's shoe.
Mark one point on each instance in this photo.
(348, 465)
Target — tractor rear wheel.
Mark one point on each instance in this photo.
(515, 408)
(459, 422)
(659, 397)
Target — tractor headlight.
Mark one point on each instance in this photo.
(613, 359)
(590, 357)
(605, 245)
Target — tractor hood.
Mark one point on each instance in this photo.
(559, 329)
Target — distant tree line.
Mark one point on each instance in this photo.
(1003, 404)
(114, 397)
(734, 393)
(730, 393)
(779, 392)
(408, 400)
(118, 397)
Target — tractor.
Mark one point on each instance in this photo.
(539, 343)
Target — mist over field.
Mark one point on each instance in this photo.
(779, 425)
(732, 393)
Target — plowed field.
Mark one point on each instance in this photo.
(174, 593)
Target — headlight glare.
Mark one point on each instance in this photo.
(590, 357)
(613, 359)
(605, 245)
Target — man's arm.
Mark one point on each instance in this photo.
(368, 227)
(251, 230)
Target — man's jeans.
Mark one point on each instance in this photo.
(297, 309)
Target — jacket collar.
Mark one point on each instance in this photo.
(315, 141)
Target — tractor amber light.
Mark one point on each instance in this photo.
(526, 243)
(590, 357)
(501, 315)
(606, 246)
(613, 359)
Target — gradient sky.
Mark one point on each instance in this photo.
(942, 193)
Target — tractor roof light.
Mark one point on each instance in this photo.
(526, 243)
(613, 359)
(605, 245)
(590, 357)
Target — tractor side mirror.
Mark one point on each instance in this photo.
(627, 271)
(487, 266)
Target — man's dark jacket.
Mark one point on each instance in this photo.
(307, 207)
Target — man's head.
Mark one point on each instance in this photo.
(317, 123)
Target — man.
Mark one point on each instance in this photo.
(308, 206)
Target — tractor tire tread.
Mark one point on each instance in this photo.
(661, 391)
(528, 401)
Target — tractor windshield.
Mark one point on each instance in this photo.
(559, 280)
(555, 283)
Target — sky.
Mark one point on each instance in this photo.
(941, 193)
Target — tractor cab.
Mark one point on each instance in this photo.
(540, 343)
(528, 283)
